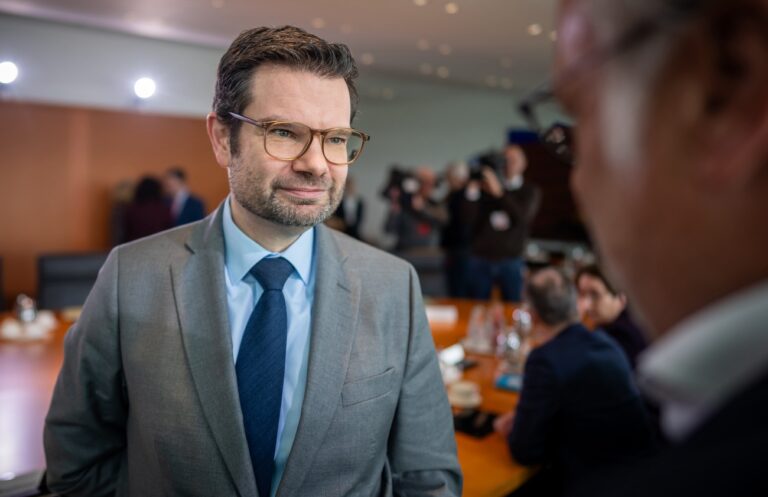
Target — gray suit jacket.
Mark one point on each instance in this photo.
(146, 403)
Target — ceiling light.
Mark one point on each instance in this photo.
(318, 23)
(8, 72)
(445, 49)
(426, 69)
(144, 88)
(451, 7)
(420, 3)
(535, 29)
(423, 45)
(443, 72)
(367, 59)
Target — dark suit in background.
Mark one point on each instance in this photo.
(193, 209)
(579, 410)
(628, 335)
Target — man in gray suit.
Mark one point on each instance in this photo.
(257, 352)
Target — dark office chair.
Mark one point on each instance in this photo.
(428, 263)
(64, 280)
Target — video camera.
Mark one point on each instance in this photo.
(492, 159)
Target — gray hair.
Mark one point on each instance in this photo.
(553, 296)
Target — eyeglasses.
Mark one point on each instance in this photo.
(541, 105)
(284, 140)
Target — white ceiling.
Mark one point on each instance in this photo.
(485, 44)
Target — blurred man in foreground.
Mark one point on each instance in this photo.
(670, 100)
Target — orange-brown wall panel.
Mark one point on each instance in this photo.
(59, 165)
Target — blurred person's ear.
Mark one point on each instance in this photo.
(734, 117)
(218, 133)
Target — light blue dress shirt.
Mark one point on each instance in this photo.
(243, 292)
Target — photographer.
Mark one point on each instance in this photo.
(499, 206)
(414, 216)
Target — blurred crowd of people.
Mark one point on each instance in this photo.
(153, 204)
(481, 222)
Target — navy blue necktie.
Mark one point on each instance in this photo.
(260, 368)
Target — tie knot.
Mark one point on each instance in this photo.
(271, 273)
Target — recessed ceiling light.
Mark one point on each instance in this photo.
(367, 59)
(451, 7)
(318, 23)
(445, 49)
(420, 3)
(346, 28)
(443, 72)
(144, 88)
(553, 35)
(423, 45)
(535, 29)
(491, 81)
(506, 83)
(8, 72)
(426, 69)
(217, 4)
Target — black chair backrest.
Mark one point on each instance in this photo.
(64, 280)
(429, 265)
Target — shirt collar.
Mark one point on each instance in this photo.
(709, 357)
(242, 253)
(514, 183)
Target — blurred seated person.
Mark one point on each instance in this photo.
(455, 236)
(122, 194)
(606, 308)
(415, 217)
(348, 217)
(185, 207)
(148, 213)
(579, 410)
(499, 208)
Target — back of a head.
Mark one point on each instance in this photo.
(552, 296)
(149, 189)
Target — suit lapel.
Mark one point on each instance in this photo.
(333, 318)
(200, 293)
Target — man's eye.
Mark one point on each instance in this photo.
(337, 140)
(282, 133)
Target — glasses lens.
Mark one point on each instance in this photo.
(287, 140)
(342, 146)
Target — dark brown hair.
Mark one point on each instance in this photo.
(594, 271)
(287, 46)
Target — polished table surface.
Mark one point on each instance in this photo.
(28, 372)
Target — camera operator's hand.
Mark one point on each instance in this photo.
(491, 184)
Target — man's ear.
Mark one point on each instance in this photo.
(218, 133)
(736, 107)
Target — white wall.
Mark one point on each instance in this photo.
(423, 123)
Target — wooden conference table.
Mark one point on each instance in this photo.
(28, 372)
